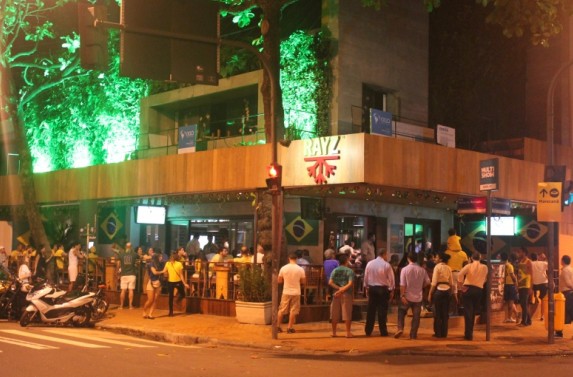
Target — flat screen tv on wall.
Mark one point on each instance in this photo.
(153, 215)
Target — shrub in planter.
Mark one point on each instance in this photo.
(254, 284)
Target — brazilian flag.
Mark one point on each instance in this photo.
(111, 227)
(301, 231)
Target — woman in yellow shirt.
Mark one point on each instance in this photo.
(174, 269)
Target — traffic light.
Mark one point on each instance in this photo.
(93, 40)
(274, 171)
(566, 194)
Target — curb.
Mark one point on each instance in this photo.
(190, 339)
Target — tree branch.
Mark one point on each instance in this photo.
(25, 99)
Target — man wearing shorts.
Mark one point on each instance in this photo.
(127, 259)
(342, 282)
(292, 275)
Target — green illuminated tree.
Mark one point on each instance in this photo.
(24, 25)
(62, 115)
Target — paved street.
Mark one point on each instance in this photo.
(46, 352)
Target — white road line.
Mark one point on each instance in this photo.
(97, 339)
(23, 343)
(53, 339)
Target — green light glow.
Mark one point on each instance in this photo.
(90, 118)
(305, 83)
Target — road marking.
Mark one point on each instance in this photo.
(53, 339)
(23, 343)
(64, 332)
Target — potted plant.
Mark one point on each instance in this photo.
(254, 296)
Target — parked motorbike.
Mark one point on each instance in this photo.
(99, 305)
(51, 305)
(12, 298)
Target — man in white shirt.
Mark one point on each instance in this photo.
(472, 277)
(292, 276)
(378, 283)
(413, 279)
(566, 286)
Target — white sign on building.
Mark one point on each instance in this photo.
(446, 136)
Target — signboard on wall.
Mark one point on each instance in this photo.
(446, 136)
(472, 205)
(549, 201)
(489, 175)
(380, 122)
(187, 139)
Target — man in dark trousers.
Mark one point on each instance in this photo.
(473, 277)
(378, 283)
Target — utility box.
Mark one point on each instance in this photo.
(559, 322)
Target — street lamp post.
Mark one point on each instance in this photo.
(551, 225)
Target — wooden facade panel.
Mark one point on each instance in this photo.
(362, 158)
(404, 163)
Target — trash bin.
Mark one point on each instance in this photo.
(559, 315)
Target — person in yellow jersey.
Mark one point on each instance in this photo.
(458, 259)
(524, 286)
(16, 257)
(509, 289)
(175, 280)
(60, 256)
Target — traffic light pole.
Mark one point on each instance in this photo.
(551, 225)
(277, 202)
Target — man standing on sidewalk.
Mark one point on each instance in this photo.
(413, 279)
(292, 275)
(473, 277)
(566, 287)
(342, 282)
(127, 259)
(378, 283)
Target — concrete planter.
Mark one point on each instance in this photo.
(257, 313)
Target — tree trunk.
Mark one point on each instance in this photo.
(9, 100)
(271, 50)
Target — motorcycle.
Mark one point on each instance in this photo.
(51, 305)
(99, 305)
(12, 299)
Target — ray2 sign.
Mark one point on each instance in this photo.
(489, 175)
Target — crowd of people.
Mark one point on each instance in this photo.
(51, 264)
(445, 282)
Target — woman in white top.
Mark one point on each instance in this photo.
(539, 281)
(440, 292)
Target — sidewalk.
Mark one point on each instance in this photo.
(507, 340)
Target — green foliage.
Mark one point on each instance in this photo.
(306, 84)
(254, 285)
(540, 19)
(89, 118)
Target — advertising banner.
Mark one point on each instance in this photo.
(187, 139)
(380, 122)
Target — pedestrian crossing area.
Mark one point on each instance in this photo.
(56, 338)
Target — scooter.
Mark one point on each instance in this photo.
(50, 305)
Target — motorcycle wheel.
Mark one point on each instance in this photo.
(81, 318)
(26, 318)
(99, 309)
